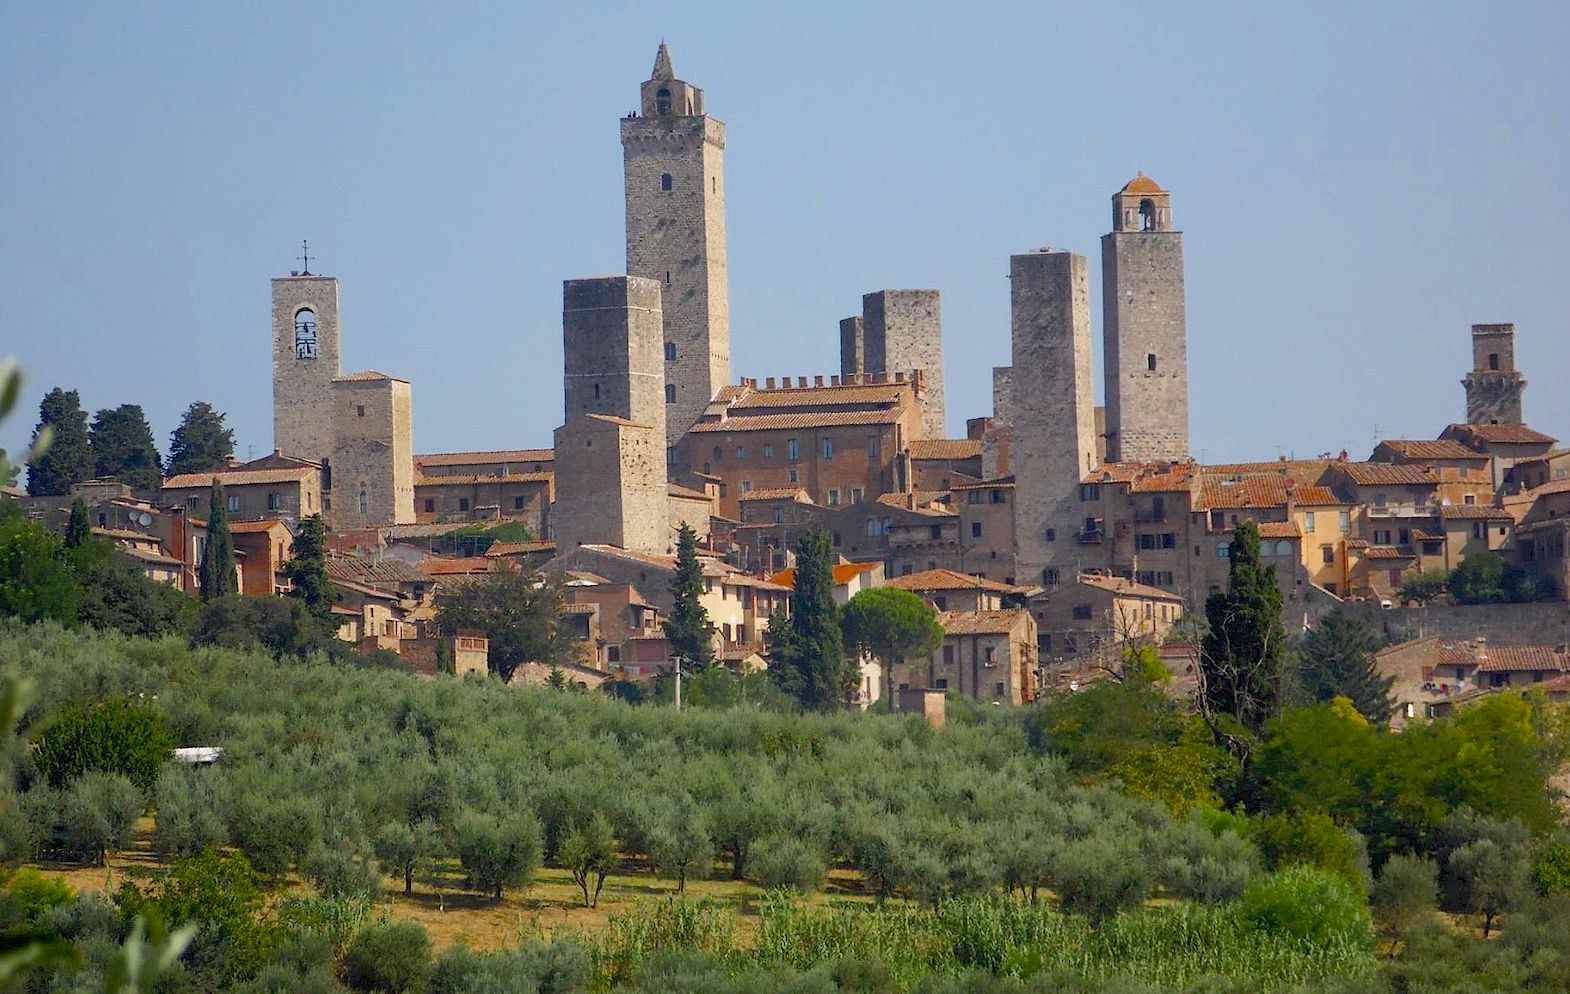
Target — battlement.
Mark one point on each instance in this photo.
(916, 378)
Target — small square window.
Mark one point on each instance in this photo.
(463, 503)
(517, 503)
(975, 529)
(359, 410)
(430, 506)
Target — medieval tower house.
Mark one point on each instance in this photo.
(674, 162)
(1494, 386)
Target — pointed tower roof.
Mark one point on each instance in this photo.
(662, 64)
(1142, 184)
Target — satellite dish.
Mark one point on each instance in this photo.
(144, 519)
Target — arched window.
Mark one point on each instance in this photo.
(718, 453)
(670, 351)
(665, 181)
(365, 502)
(1493, 360)
(662, 103)
(1147, 215)
(305, 333)
(1283, 548)
(872, 526)
(670, 393)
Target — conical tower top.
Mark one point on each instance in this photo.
(662, 64)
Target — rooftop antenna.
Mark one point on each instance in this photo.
(305, 258)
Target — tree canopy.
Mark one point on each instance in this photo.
(516, 607)
(807, 651)
(306, 570)
(201, 441)
(1243, 654)
(123, 448)
(1336, 659)
(67, 458)
(688, 629)
(889, 624)
(216, 572)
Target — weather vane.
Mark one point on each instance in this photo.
(305, 258)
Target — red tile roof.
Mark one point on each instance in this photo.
(1142, 184)
(981, 622)
(740, 398)
(519, 548)
(1474, 512)
(240, 477)
(1264, 490)
(784, 422)
(470, 479)
(1504, 434)
(1125, 587)
(1438, 448)
(438, 566)
(947, 579)
(1377, 474)
(367, 376)
(266, 525)
(1502, 658)
(1315, 496)
(945, 448)
(774, 493)
(1279, 529)
(487, 456)
(1385, 552)
(843, 573)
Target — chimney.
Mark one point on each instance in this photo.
(834, 381)
(801, 381)
(817, 381)
(768, 383)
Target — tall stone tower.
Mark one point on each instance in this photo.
(902, 330)
(610, 455)
(853, 346)
(1494, 386)
(674, 159)
(372, 457)
(305, 364)
(1145, 329)
(1052, 411)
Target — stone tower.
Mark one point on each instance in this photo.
(853, 351)
(305, 364)
(902, 330)
(372, 457)
(674, 158)
(1144, 327)
(610, 455)
(1493, 387)
(1052, 411)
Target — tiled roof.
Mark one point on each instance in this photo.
(1000, 483)
(264, 525)
(1438, 448)
(239, 477)
(1505, 434)
(1279, 529)
(981, 622)
(367, 376)
(488, 456)
(124, 533)
(1177, 480)
(945, 448)
(785, 422)
(1419, 535)
(1119, 472)
(1142, 184)
(147, 556)
(1248, 491)
(923, 501)
(471, 479)
(342, 567)
(1376, 474)
(456, 566)
(861, 394)
(579, 608)
(1385, 552)
(1301, 470)
(685, 493)
(1556, 685)
(947, 579)
(774, 493)
(1551, 487)
(519, 548)
(1123, 586)
(1474, 512)
(1315, 496)
(1502, 658)
(662, 562)
(843, 573)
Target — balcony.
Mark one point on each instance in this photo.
(1092, 536)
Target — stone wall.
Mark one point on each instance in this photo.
(853, 355)
(303, 387)
(1143, 317)
(1053, 409)
(902, 330)
(1544, 623)
(675, 199)
(612, 349)
(610, 486)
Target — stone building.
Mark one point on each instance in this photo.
(902, 330)
(944, 463)
(1494, 386)
(1095, 616)
(610, 460)
(673, 156)
(1053, 411)
(306, 352)
(274, 486)
(372, 460)
(989, 655)
(1144, 327)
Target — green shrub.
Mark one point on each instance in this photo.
(785, 862)
(123, 736)
(391, 957)
(1312, 839)
(1098, 877)
(498, 853)
(1309, 905)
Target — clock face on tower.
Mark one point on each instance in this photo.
(305, 335)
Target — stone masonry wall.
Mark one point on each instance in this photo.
(610, 486)
(302, 388)
(613, 348)
(1143, 316)
(852, 346)
(1053, 407)
(902, 330)
(373, 453)
(677, 236)
(1545, 623)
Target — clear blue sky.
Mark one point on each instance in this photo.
(1358, 184)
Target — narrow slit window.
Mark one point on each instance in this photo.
(1150, 361)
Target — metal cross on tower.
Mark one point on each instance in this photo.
(305, 258)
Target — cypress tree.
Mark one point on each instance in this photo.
(307, 569)
(688, 629)
(807, 653)
(201, 441)
(79, 530)
(1244, 651)
(67, 457)
(123, 448)
(217, 569)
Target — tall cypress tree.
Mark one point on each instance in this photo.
(201, 441)
(1245, 649)
(123, 448)
(68, 458)
(217, 568)
(807, 653)
(307, 569)
(688, 628)
(79, 530)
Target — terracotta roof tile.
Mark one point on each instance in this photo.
(947, 579)
(1385, 552)
(1142, 184)
(487, 456)
(1123, 586)
(343, 567)
(1505, 434)
(264, 525)
(470, 479)
(775, 493)
(785, 422)
(945, 448)
(1301, 470)
(1438, 448)
(1279, 529)
(519, 548)
(843, 573)
(1378, 474)
(1474, 512)
(1001, 483)
(239, 477)
(884, 394)
(981, 622)
(1316, 496)
(367, 376)
(1248, 491)
(685, 493)
(440, 566)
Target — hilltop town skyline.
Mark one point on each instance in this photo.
(492, 338)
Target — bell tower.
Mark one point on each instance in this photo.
(1144, 327)
(673, 156)
(305, 364)
(1494, 386)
